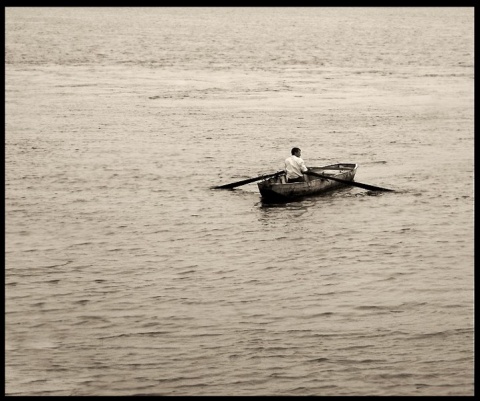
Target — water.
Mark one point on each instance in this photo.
(126, 274)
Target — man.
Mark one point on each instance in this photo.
(295, 166)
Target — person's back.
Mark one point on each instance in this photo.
(295, 166)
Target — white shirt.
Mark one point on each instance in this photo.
(295, 167)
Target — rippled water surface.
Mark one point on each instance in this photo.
(126, 274)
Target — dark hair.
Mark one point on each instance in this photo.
(295, 150)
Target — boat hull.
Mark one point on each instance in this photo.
(277, 189)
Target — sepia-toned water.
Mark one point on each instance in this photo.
(126, 274)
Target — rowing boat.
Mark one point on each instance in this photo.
(276, 188)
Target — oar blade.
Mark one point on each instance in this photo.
(370, 187)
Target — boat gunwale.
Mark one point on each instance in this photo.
(352, 167)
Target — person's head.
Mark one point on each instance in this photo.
(296, 151)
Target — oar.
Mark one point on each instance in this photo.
(353, 183)
(248, 181)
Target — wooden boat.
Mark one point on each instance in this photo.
(276, 189)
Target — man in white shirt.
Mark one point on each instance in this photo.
(295, 166)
